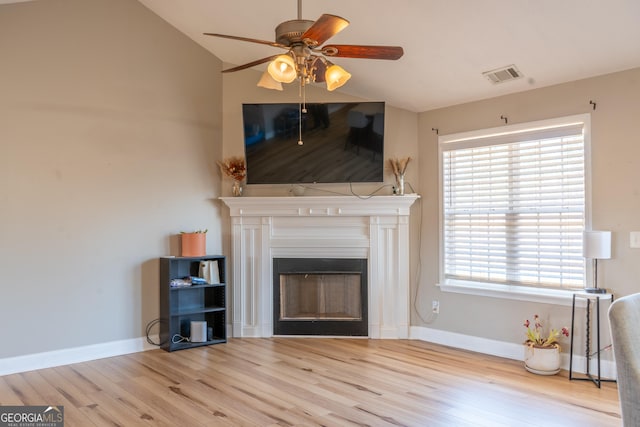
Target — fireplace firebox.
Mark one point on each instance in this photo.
(320, 296)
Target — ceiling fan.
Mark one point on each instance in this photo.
(306, 58)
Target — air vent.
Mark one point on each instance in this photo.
(503, 74)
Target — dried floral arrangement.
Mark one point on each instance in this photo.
(399, 166)
(234, 168)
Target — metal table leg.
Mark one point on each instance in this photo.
(596, 379)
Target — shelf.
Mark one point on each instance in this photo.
(592, 295)
(197, 311)
(183, 345)
(208, 285)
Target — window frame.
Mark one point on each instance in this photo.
(515, 292)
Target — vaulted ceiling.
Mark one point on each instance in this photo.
(448, 44)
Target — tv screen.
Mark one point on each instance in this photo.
(341, 142)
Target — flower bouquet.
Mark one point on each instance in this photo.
(537, 338)
(234, 168)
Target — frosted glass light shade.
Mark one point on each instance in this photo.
(335, 77)
(596, 244)
(283, 69)
(267, 82)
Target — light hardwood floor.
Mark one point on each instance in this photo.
(312, 382)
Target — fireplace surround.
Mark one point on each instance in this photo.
(375, 229)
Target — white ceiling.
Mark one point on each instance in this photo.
(447, 43)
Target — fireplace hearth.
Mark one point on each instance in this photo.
(320, 296)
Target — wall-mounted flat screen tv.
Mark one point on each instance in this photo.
(342, 142)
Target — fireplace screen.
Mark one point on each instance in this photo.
(320, 297)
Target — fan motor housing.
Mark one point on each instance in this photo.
(290, 32)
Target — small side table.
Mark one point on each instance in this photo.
(591, 298)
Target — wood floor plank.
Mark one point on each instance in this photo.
(261, 394)
(108, 412)
(49, 394)
(69, 387)
(234, 402)
(118, 396)
(8, 395)
(313, 382)
(163, 401)
(23, 389)
(276, 391)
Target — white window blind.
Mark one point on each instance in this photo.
(513, 207)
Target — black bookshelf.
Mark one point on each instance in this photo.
(179, 306)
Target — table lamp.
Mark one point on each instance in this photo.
(596, 245)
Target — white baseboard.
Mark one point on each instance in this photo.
(49, 359)
(506, 349)
(67, 356)
(30, 362)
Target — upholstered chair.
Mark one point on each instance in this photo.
(624, 320)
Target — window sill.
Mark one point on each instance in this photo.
(519, 293)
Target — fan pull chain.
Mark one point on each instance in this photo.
(300, 124)
(302, 108)
(304, 98)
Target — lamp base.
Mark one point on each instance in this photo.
(595, 290)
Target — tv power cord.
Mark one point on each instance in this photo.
(148, 332)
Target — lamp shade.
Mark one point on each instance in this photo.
(335, 77)
(283, 69)
(596, 244)
(267, 82)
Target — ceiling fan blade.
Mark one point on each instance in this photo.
(250, 64)
(247, 39)
(361, 51)
(325, 27)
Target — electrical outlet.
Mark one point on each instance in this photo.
(435, 306)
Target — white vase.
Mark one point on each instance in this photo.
(542, 360)
(399, 190)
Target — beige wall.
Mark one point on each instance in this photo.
(615, 154)
(110, 127)
(110, 121)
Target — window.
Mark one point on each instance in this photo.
(513, 206)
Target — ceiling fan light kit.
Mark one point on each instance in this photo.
(283, 69)
(268, 82)
(335, 76)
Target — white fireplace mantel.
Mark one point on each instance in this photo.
(375, 228)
